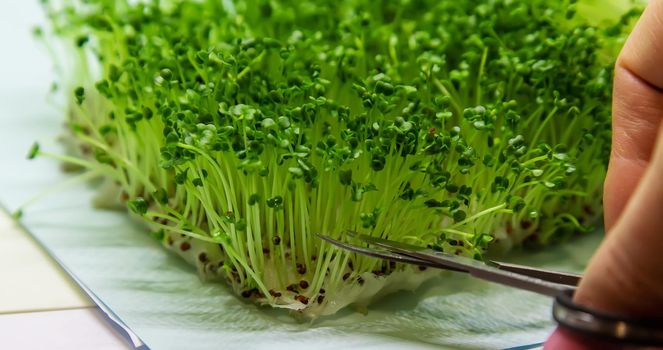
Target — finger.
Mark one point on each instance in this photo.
(637, 109)
(626, 274)
(637, 112)
(643, 51)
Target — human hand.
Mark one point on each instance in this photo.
(625, 275)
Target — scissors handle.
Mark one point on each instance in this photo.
(604, 326)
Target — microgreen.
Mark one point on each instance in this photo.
(244, 130)
(34, 151)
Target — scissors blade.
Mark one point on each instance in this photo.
(566, 278)
(383, 254)
(475, 268)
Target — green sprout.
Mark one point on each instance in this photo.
(237, 130)
(34, 151)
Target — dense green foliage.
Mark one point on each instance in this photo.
(244, 128)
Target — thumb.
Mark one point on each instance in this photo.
(625, 276)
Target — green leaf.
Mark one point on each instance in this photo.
(34, 151)
(79, 95)
(138, 206)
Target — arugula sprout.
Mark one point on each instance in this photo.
(238, 130)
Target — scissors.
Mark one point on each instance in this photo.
(558, 285)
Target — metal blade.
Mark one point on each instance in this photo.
(474, 267)
(383, 254)
(566, 278)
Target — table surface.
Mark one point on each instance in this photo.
(38, 298)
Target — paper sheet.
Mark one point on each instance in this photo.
(161, 298)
